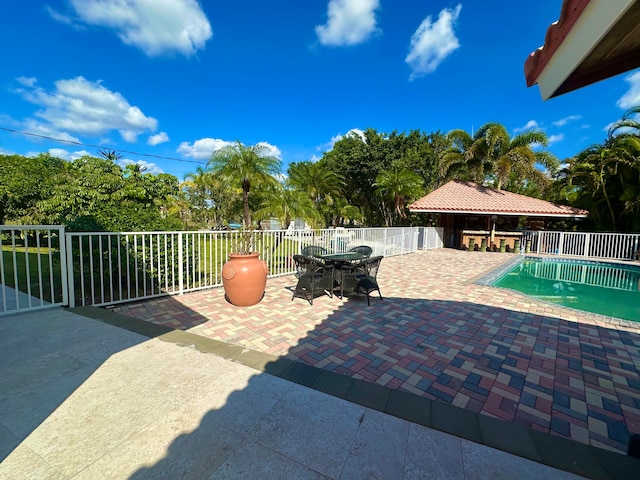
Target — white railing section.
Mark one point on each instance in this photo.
(617, 246)
(431, 238)
(595, 274)
(384, 241)
(109, 268)
(32, 267)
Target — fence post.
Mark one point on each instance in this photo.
(560, 244)
(180, 265)
(66, 267)
(539, 242)
(384, 241)
(586, 244)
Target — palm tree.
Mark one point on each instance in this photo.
(627, 122)
(246, 166)
(322, 185)
(319, 183)
(624, 137)
(284, 203)
(399, 185)
(111, 155)
(492, 152)
(342, 211)
(592, 169)
(460, 161)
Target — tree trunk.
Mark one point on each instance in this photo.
(245, 204)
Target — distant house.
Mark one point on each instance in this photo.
(467, 210)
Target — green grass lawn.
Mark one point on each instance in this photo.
(31, 266)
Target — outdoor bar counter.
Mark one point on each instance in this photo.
(509, 237)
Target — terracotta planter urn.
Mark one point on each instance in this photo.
(244, 277)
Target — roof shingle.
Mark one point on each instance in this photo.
(459, 196)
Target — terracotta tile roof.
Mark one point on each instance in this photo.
(468, 197)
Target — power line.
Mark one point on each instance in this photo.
(101, 146)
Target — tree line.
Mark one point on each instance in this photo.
(367, 178)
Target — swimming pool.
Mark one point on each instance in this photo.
(599, 287)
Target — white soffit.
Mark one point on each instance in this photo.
(592, 25)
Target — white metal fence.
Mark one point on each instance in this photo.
(431, 238)
(108, 268)
(43, 266)
(32, 267)
(617, 246)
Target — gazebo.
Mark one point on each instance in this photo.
(468, 211)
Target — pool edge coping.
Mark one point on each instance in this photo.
(487, 278)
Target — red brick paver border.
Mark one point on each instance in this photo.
(439, 335)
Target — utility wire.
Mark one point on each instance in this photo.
(101, 146)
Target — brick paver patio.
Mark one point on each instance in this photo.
(439, 335)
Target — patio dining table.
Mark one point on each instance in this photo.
(343, 257)
(346, 266)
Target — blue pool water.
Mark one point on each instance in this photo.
(605, 288)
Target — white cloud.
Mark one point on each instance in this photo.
(156, 27)
(202, 149)
(146, 167)
(32, 125)
(161, 137)
(356, 132)
(27, 81)
(563, 121)
(555, 138)
(530, 125)
(632, 97)
(350, 22)
(326, 147)
(67, 155)
(79, 106)
(271, 150)
(432, 43)
(62, 18)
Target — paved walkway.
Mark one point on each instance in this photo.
(81, 399)
(439, 335)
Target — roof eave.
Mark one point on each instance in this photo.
(510, 214)
(560, 69)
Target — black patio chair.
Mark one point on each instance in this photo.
(363, 250)
(361, 277)
(314, 278)
(314, 251)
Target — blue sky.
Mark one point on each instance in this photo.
(180, 78)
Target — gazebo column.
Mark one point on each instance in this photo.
(493, 229)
